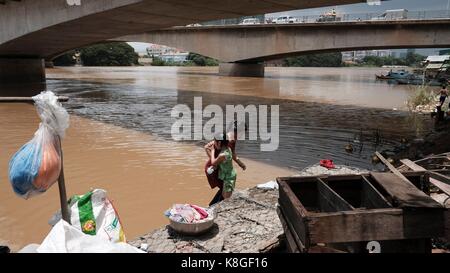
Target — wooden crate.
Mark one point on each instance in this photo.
(347, 211)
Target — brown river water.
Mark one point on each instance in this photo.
(119, 137)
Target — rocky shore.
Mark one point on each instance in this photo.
(247, 222)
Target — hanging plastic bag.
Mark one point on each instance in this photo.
(37, 164)
(94, 214)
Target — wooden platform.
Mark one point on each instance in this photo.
(344, 212)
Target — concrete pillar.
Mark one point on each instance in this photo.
(21, 70)
(21, 77)
(241, 69)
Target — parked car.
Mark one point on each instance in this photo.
(250, 21)
(393, 14)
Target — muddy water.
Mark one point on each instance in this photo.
(119, 138)
(143, 175)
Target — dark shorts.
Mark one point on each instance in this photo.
(442, 99)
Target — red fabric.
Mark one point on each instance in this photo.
(327, 163)
(213, 179)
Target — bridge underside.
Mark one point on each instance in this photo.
(252, 45)
(35, 30)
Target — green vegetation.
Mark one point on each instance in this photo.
(108, 54)
(317, 60)
(201, 60)
(111, 54)
(411, 59)
(67, 59)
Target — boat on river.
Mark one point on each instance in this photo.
(394, 75)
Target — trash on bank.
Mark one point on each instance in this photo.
(65, 238)
(327, 163)
(37, 164)
(94, 214)
(271, 185)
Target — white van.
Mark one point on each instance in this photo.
(250, 21)
(285, 20)
(393, 14)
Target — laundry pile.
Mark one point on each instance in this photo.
(186, 213)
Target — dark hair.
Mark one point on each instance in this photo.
(222, 137)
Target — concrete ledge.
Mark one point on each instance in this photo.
(241, 69)
(18, 70)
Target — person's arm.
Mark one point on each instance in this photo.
(237, 159)
(208, 148)
(217, 160)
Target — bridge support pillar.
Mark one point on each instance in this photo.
(21, 76)
(241, 69)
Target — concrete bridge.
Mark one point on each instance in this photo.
(243, 49)
(35, 30)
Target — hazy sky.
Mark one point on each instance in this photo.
(411, 5)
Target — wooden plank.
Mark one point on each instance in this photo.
(355, 226)
(27, 99)
(371, 197)
(329, 200)
(439, 180)
(293, 210)
(392, 168)
(293, 241)
(403, 194)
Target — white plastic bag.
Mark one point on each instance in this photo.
(94, 214)
(37, 165)
(64, 238)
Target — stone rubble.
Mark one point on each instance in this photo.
(246, 223)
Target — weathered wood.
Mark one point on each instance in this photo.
(392, 168)
(371, 198)
(293, 209)
(354, 226)
(439, 180)
(403, 194)
(293, 243)
(27, 99)
(329, 200)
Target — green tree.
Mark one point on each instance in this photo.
(201, 60)
(67, 59)
(109, 54)
(317, 60)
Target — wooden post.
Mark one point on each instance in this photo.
(62, 188)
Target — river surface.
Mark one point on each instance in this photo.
(120, 137)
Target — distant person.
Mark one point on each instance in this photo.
(224, 162)
(443, 94)
(333, 12)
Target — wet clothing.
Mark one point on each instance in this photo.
(226, 171)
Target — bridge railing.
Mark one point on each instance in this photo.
(349, 17)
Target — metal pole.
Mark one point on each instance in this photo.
(62, 189)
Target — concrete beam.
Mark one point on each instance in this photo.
(241, 69)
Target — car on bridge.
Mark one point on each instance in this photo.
(285, 20)
(393, 14)
(250, 21)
